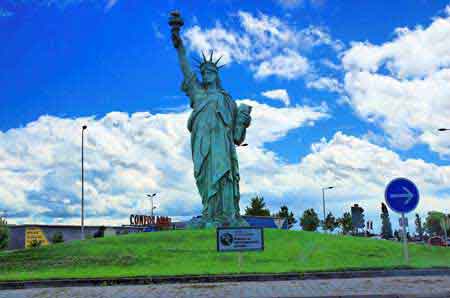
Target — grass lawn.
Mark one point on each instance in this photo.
(194, 252)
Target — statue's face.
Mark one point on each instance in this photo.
(209, 76)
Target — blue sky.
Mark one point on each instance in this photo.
(353, 94)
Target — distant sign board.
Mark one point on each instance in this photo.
(145, 220)
(357, 216)
(35, 235)
(240, 239)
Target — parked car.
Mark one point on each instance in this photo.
(437, 241)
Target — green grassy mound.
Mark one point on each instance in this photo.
(194, 252)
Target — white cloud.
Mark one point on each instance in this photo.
(157, 31)
(110, 4)
(5, 13)
(278, 94)
(330, 64)
(358, 169)
(404, 85)
(325, 83)
(126, 156)
(290, 66)
(290, 3)
(266, 44)
(107, 4)
(130, 155)
(413, 53)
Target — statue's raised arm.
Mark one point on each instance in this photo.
(176, 22)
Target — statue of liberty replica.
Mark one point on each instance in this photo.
(217, 126)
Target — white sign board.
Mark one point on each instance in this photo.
(240, 239)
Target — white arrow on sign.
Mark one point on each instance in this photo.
(408, 195)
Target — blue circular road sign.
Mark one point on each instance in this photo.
(402, 195)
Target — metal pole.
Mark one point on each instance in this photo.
(152, 206)
(151, 200)
(323, 202)
(405, 242)
(444, 226)
(82, 182)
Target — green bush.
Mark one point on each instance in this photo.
(4, 235)
(58, 237)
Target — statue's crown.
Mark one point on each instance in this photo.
(209, 64)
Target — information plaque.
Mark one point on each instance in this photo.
(240, 239)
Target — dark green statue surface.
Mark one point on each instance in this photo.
(217, 126)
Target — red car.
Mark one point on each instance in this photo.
(437, 241)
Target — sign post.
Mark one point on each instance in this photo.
(240, 239)
(35, 235)
(444, 227)
(405, 240)
(402, 196)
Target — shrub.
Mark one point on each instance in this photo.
(58, 237)
(4, 236)
(309, 221)
(100, 232)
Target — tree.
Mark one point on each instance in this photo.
(397, 235)
(433, 223)
(386, 227)
(330, 222)
(58, 237)
(284, 213)
(309, 221)
(256, 208)
(345, 222)
(4, 234)
(419, 229)
(100, 232)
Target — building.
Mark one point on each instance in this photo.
(27, 235)
(22, 236)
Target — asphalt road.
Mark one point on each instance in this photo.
(417, 286)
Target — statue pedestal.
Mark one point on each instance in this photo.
(205, 223)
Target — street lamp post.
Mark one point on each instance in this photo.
(151, 197)
(82, 180)
(323, 201)
(444, 222)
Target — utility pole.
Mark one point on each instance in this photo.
(444, 227)
(323, 202)
(82, 181)
(151, 198)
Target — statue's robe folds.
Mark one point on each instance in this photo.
(216, 170)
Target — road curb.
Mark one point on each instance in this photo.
(145, 280)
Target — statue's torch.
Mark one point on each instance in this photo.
(175, 21)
